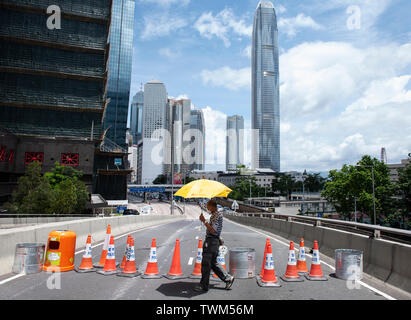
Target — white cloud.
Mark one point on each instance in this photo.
(291, 25)
(343, 102)
(323, 76)
(279, 9)
(169, 53)
(161, 25)
(232, 79)
(167, 2)
(221, 25)
(247, 52)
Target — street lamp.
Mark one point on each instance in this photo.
(304, 177)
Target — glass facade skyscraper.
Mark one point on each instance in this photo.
(136, 117)
(265, 115)
(234, 142)
(119, 70)
(197, 127)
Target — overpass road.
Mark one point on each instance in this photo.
(95, 286)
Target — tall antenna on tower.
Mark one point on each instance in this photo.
(383, 155)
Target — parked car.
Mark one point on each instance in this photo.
(128, 212)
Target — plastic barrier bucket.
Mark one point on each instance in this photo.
(61, 246)
(242, 262)
(28, 258)
(348, 264)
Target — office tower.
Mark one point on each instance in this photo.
(154, 121)
(119, 70)
(234, 142)
(197, 140)
(52, 85)
(178, 125)
(265, 113)
(136, 116)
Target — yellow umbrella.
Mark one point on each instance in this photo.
(203, 188)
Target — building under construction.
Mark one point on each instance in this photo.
(53, 84)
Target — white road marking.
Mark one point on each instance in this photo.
(80, 251)
(12, 278)
(328, 265)
(190, 261)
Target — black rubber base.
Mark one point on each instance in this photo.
(170, 277)
(194, 277)
(84, 270)
(299, 279)
(151, 276)
(108, 273)
(268, 284)
(129, 275)
(316, 278)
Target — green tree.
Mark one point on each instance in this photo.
(356, 182)
(314, 182)
(71, 192)
(403, 193)
(60, 191)
(241, 188)
(33, 194)
(283, 184)
(161, 179)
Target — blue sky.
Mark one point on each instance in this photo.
(345, 72)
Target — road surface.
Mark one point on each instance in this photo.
(95, 286)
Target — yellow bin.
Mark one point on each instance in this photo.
(61, 246)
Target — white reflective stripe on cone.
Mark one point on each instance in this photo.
(269, 262)
(291, 258)
(153, 255)
(316, 257)
(87, 252)
(301, 254)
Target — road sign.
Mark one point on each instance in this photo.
(118, 161)
(235, 205)
(120, 209)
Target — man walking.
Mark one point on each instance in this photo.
(210, 250)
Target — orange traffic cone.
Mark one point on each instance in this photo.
(152, 267)
(301, 264)
(110, 264)
(268, 279)
(265, 253)
(130, 265)
(100, 264)
(86, 264)
(291, 274)
(220, 261)
(316, 272)
(197, 266)
(123, 262)
(175, 269)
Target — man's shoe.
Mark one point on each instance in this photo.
(199, 288)
(229, 283)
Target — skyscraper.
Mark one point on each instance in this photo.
(136, 116)
(119, 70)
(197, 140)
(178, 125)
(234, 142)
(154, 119)
(265, 113)
(52, 86)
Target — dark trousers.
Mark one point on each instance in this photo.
(209, 262)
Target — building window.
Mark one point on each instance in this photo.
(33, 156)
(70, 159)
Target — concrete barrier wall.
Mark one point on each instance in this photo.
(38, 220)
(94, 226)
(386, 260)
